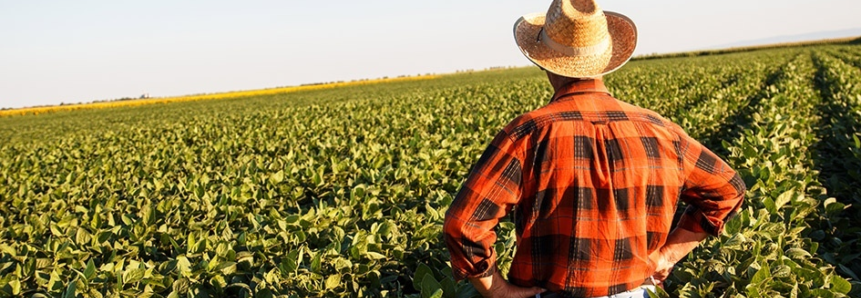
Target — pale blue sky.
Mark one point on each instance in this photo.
(80, 51)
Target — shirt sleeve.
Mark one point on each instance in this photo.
(714, 191)
(492, 188)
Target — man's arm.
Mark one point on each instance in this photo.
(713, 190)
(493, 186)
(496, 286)
(714, 193)
(679, 243)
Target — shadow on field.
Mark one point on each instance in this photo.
(734, 125)
(838, 164)
(839, 173)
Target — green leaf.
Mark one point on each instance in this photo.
(422, 271)
(55, 283)
(343, 265)
(387, 228)
(82, 237)
(15, 285)
(277, 177)
(436, 294)
(797, 253)
(449, 287)
(761, 275)
(70, 290)
(769, 205)
(315, 263)
(245, 258)
(735, 241)
(333, 281)
(180, 286)
(173, 243)
(848, 271)
(375, 256)
(430, 286)
(199, 246)
(183, 266)
(243, 286)
(808, 274)
(218, 282)
(133, 275)
(467, 291)
(733, 226)
(148, 214)
(290, 262)
(658, 293)
(782, 271)
(840, 285)
(227, 268)
(821, 293)
(90, 271)
(783, 199)
(264, 293)
(834, 208)
(750, 152)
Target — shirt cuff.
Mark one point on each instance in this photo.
(484, 269)
(695, 221)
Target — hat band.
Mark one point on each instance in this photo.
(599, 48)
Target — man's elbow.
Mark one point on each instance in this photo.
(452, 228)
(738, 185)
(740, 190)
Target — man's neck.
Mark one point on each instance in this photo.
(559, 82)
(579, 86)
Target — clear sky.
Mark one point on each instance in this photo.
(80, 51)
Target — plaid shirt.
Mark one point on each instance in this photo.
(593, 184)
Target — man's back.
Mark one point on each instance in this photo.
(592, 182)
(596, 183)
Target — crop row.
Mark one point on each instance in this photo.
(839, 156)
(341, 192)
(768, 251)
(284, 202)
(668, 87)
(724, 112)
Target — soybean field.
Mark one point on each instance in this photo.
(342, 192)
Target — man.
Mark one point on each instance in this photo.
(592, 182)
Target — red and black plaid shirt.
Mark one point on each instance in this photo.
(593, 184)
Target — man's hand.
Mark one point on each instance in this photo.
(679, 243)
(495, 286)
(662, 265)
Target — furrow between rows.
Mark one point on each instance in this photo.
(838, 156)
(767, 251)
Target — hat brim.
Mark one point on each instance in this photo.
(622, 31)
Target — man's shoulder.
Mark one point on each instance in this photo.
(537, 119)
(637, 113)
(529, 122)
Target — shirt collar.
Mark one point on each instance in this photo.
(580, 87)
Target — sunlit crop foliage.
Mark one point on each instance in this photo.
(225, 95)
(342, 191)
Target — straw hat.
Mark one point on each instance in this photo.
(576, 39)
